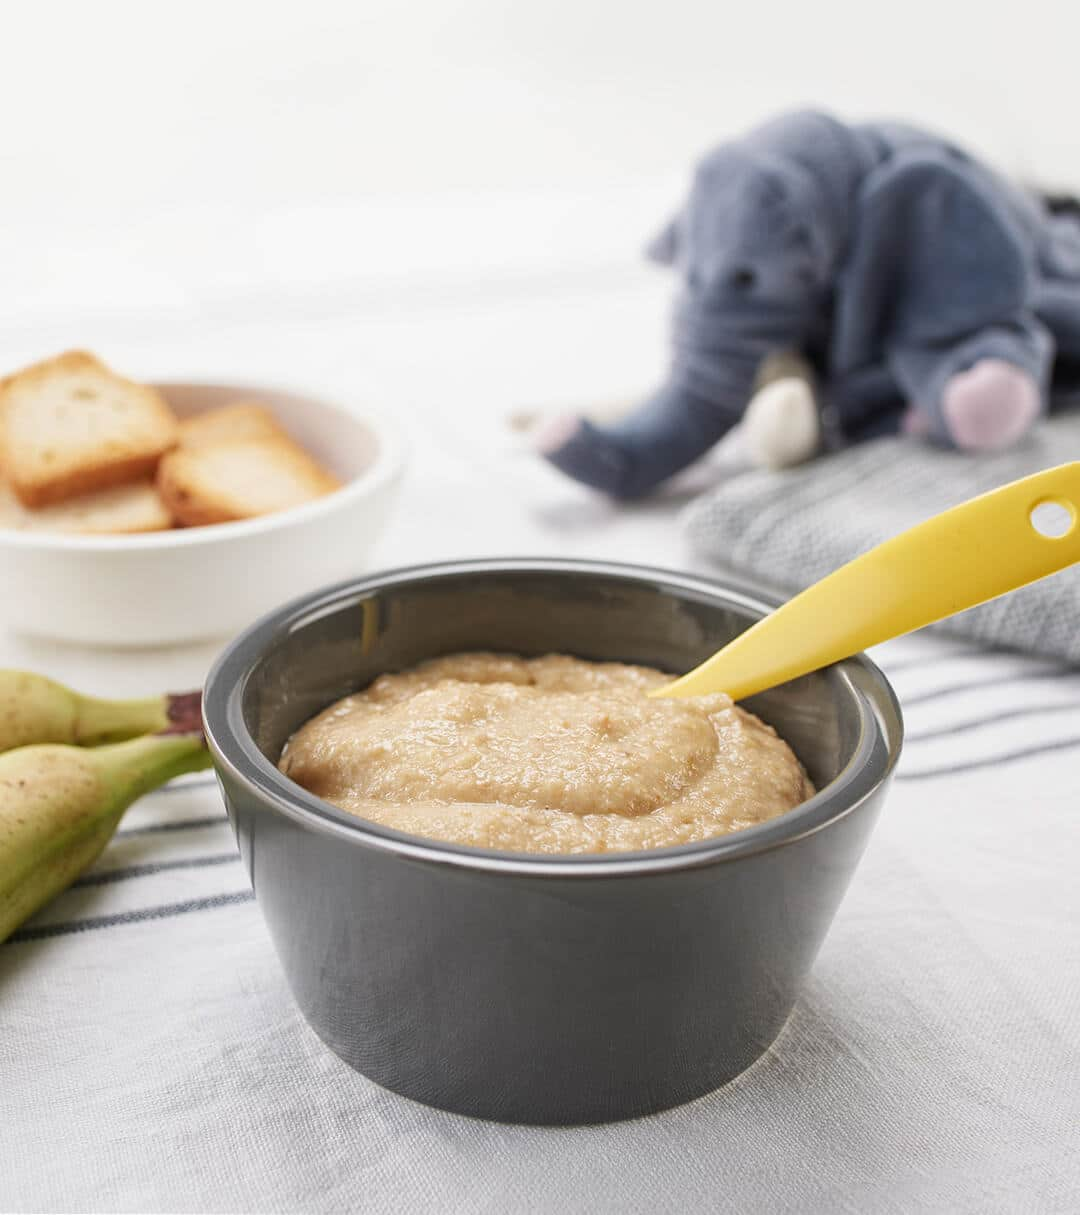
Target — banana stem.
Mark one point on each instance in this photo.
(35, 709)
(108, 721)
(135, 767)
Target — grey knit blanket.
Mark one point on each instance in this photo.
(793, 527)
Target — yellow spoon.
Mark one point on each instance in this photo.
(962, 557)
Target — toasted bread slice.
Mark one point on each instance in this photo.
(223, 482)
(121, 510)
(69, 426)
(238, 420)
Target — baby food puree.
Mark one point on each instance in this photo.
(550, 755)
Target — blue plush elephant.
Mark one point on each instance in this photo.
(926, 292)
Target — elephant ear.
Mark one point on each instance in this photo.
(935, 255)
(664, 246)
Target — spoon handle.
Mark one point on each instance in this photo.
(974, 552)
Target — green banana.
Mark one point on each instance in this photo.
(60, 804)
(34, 709)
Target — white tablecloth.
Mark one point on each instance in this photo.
(151, 1058)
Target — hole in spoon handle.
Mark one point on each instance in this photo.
(1053, 518)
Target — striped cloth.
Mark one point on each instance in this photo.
(151, 1058)
(791, 528)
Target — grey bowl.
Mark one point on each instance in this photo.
(530, 988)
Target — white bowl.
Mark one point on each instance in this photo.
(202, 582)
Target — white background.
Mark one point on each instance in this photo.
(173, 168)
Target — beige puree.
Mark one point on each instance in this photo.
(551, 754)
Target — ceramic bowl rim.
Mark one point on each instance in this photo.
(234, 750)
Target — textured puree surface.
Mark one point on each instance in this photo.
(548, 755)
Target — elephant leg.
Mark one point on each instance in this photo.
(782, 423)
(862, 405)
(981, 393)
(630, 458)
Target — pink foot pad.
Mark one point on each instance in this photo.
(556, 433)
(990, 406)
(915, 423)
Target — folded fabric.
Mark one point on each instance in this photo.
(791, 528)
